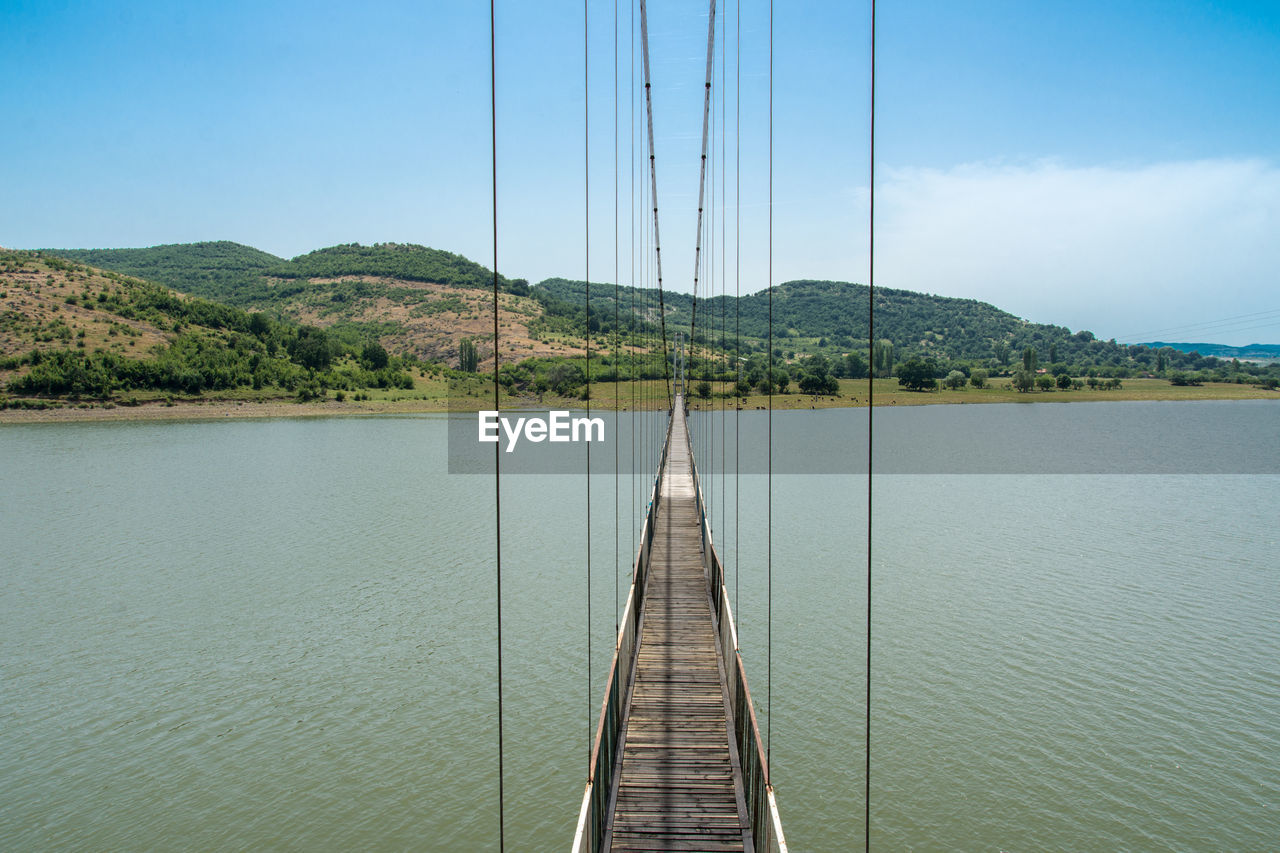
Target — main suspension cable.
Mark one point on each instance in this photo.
(653, 179)
(702, 177)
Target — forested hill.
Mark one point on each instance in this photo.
(821, 315)
(425, 301)
(242, 275)
(219, 270)
(71, 329)
(413, 299)
(406, 261)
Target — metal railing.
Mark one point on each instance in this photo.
(593, 814)
(762, 805)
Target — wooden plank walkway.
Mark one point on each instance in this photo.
(678, 788)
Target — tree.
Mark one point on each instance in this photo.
(812, 383)
(955, 380)
(1000, 351)
(1023, 380)
(882, 358)
(1044, 382)
(977, 378)
(1064, 381)
(703, 389)
(468, 358)
(564, 377)
(312, 349)
(1029, 360)
(917, 374)
(374, 356)
(855, 366)
(816, 378)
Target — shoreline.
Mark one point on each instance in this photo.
(212, 410)
(223, 409)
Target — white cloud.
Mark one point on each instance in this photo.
(1121, 251)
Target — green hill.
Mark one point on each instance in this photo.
(831, 316)
(71, 330)
(242, 275)
(405, 261)
(426, 301)
(413, 299)
(222, 270)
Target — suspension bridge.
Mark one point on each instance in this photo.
(678, 763)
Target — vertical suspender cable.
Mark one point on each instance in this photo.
(724, 276)
(617, 339)
(871, 333)
(646, 302)
(586, 220)
(642, 265)
(724, 502)
(737, 289)
(709, 366)
(631, 236)
(497, 457)
(646, 248)
(769, 488)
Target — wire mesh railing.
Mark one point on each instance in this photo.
(762, 804)
(593, 815)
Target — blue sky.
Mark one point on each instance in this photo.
(1103, 165)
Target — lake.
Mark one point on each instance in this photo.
(281, 634)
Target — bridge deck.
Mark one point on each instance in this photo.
(677, 787)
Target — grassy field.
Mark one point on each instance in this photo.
(887, 392)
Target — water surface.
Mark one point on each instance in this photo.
(282, 635)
